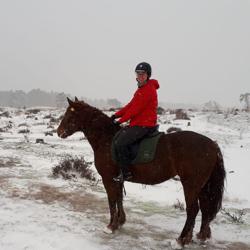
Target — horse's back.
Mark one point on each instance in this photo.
(183, 153)
(189, 138)
(188, 152)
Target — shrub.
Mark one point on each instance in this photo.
(234, 217)
(179, 205)
(5, 114)
(23, 124)
(32, 111)
(24, 131)
(2, 130)
(53, 120)
(173, 129)
(50, 126)
(47, 116)
(30, 116)
(113, 109)
(160, 111)
(48, 133)
(39, 140)
(181, 115)
(69, 167)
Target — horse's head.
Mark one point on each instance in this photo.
(71, 121)
(80, 116)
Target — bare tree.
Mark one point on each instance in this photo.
(246, 98)
(212, 106)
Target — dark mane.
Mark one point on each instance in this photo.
(99, 118)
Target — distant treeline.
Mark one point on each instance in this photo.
(37, 97)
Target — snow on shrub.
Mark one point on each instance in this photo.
(5, 114)
(24, 131)
(179, 205)
(72, 167)
(181, 115)
(235, 217)
(33, 111)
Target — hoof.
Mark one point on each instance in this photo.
(175, 244)
(108, 230)
(204, 235)
(185, 240)
(200, 236)
(121, 222)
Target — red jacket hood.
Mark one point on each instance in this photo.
(154, 82)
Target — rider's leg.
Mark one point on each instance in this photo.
(123, 141)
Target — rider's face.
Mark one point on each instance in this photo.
(141, 77)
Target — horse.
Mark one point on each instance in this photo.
(195, 158)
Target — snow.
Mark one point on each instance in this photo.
(29, 225)
(41, 212)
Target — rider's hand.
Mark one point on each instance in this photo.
(116, 122)
(113, 117)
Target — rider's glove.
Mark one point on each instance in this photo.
(113, 117)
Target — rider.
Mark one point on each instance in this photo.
(141, 112)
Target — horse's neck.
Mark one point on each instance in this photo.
(98, 129)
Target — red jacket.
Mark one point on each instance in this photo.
(142, 109)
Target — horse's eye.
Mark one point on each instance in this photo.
(72, 109)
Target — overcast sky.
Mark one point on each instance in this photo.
(199, 49)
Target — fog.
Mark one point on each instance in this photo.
(199, 50)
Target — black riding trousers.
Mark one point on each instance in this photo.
(124, 140)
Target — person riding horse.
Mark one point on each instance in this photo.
(141, 112)
(195, 158)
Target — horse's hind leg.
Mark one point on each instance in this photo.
(205, 231)
(192, 210)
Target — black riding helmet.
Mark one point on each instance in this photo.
(143, 66)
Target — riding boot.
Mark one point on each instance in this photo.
(127, 175)
(124, 175)
(119, 178)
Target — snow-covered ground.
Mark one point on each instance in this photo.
(38, 211)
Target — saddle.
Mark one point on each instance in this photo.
(142, 151)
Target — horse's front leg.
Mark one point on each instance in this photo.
(113, 224)
(113, 193)
(121, 213)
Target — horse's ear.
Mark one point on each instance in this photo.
(70, 102)
(76, 99)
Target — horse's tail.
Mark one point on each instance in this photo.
(214, 187)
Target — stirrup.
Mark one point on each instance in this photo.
(119, 178)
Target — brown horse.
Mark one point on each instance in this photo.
(196, 159)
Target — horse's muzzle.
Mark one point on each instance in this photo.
(62, 133)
